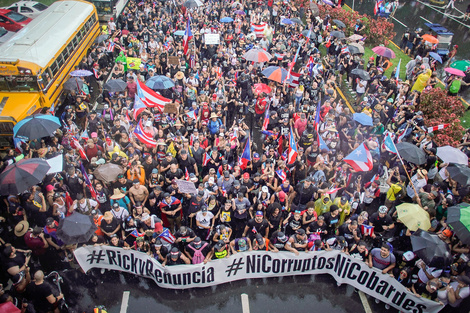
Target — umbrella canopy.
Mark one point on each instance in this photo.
(411, 153)
(339, 24)
(454, 71)
(239, 12)
(413, 216)
(430, 38)
(358, 46)
(354, 50)
(72, 84)
(363, 74)
(449, 154)
(108, 172)
(179, 33)
(460, 173)
(286, 21)
(36, 126)
(363, 119)
(276, 73)
(383, 51)
(431, 249)
(101, 38)
(355, 37)
(22, 175)
(305, 34)
(236, 3)
(115, 85)
(257, 55)
(159, 82)
(80, 73)
(259, 88)
(436, 57)
(76, 228)
(314, 9)
(337, 34)
(329, 2)
(461, 65)
(226, 20)
(192, 4)
(458, 217)
(297, 20)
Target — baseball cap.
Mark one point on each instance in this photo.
(383, 209)
(255, 155)
(281, 236)
(94, 135)
(135, 181)
(49, 221)
(447, 233)
(408, 256)
(158, 226)
(282, 195)
(226, 174)
(300, 231)
(204, 209)
(259, 213)
(246, 175)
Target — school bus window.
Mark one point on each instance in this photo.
(54, 68)
(18, 83)
(4, 84)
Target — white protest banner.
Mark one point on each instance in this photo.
(211, 39)
(56, 164)
(258, 264)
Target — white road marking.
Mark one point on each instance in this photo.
(245, 303)
(365, 303)
(125, 301)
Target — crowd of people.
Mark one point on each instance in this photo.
(271, 202)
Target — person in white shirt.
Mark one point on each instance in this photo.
(419, 181)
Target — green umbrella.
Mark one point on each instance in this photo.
(458, 217)
(461, 65)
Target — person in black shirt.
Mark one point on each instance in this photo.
(332, 219)
(42, 296)
(187, 163)
(122, 184)
(257, 225)
(382, 222)
(350, 232)
(303, 193)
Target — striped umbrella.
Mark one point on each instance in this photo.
(276, 73)
(257, 55)
(22, 175)
(458, 217)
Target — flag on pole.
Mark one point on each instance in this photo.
(246, 155)
(76, 145)
(397, 73)
(188, 35)
(266, 119)
(143, 136)
(84, 135)
(322, 144)
(139, 106)
(192, 114)
(150, 98)
(317, 122)
(87, 181)
(438, 127)
(389, 145)
(186, 174)
(292, 154)
(167, 236)
(282, 175)
(377, 6)
(135, 233)
(360, 159)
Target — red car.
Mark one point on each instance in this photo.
(13, 21)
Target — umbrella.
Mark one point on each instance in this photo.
(385, 52)
(101, 38)
(297, 20)
(76, 228)
(192, 4)
(354, 50)
(431, 249)
(461, 65)
(239, 12)
(411, 153)
(358, 46)
(236, 3)
(458, 217)
(115, 85)
(21, 175)
(276, 73)
(460, 173)
(337, 34)
(329, 2)
(314, 8)
(436, 57)
(179, 33)
(159, 82)
(108, 172)
(355, 37)
(430, 38)
(449, 154)
(454, 71)
(363, 119)
(259, 88)
(339, 24)
(80, 73)
(413, 216)
(36, 126)
(226, 20)
(305, 34)
(286, 21)
(71, 84)
(257, 55)
(361, 73)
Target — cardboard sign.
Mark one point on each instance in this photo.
(186, 186)
(170, 108)
(174, 60)
(212, 39)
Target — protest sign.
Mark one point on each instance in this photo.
(211, 39)
(186, 186)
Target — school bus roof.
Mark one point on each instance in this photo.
(39, 41)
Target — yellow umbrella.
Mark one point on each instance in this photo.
(413, 216)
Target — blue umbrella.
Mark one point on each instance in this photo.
(160, 82)
(179, 33)
(36, 126)
(80, 73)
(286, 21)
(226, 20)
(363, 119)
(436, 56)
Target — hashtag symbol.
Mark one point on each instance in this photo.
(94, 257)
(234, 267)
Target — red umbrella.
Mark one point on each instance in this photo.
(257, 55)
(454, 71)
(385, 52)
(21, 175)
(259, 88)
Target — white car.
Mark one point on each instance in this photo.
(5, 35)
(28, 8)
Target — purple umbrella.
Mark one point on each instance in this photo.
(385, 52)
(81, 73)
(239, 12)
(329, 2)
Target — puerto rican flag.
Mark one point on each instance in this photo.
(345, 50)
(259, 29)
(143, 136)
(294, 79)
(76, 145)
(332, 191)
(282, 175)
(191, 114)
(360, 159)
(139, 107)
(310, 65)
(150, 98)
(389, 145)
(87, 181)
(206, 158)
(246, 155)
(186, 174)
(377, 6)
(167, 236)
(438, 127)
(234, 137)
(111, 47)
(367, 230)
(84, 135)
(136, 234)
(292, 154)
(266, 120)
(188, 35)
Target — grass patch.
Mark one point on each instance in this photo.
(465, 119)
(400, 55)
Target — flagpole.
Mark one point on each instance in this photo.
(403, 164)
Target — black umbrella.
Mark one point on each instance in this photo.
(354, 50)
(431, 249)
(337, 34)
(192, 4)
(72, 84)
(115, 85)
(460, 173)
(339, 24)
(297, 20)
(314, 9)
(305, 34)
(21, 175)
(458, 217)
(101, 38)
(76, 228)
(411, 153)
(361, 73)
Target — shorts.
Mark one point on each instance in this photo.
(409, 45)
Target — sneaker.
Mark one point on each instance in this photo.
(387, 306)
(377, 301)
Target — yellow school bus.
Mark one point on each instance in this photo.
(38, 59)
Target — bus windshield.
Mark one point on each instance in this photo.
(18, 83)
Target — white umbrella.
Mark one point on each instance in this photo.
(449, 154)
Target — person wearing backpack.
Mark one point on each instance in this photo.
(198, 251)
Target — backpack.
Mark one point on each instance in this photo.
(198, 257)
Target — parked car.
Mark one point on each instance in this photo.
(28, 8)
(13, 21)
(5, 35)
